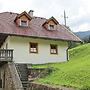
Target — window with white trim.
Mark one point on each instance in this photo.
(23, 23)
(51, 27)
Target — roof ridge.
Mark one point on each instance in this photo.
(19, 13)
(40, 17)
(8, 12)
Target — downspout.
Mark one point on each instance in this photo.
(69, 45)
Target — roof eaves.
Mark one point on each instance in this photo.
(42, 37)
(79, 40)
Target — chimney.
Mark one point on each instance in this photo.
(31, 13)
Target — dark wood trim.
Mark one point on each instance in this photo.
(6, 54)
(2, 38)
(56, 49)
(23, 13)
(30, 47)
(39, 37)
(51, 19)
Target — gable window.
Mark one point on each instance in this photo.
(53, 49)
(23, 23)
(33, 48)
(51, 27)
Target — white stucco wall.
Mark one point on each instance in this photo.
(22, 54)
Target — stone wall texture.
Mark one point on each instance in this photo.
(34, 86)
(10, 78)
(38, 72)
(7, 83)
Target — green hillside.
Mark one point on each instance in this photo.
(75, 72)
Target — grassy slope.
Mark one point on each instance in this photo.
(75, 73)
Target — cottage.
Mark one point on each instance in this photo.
(33, 40)
(27, 39)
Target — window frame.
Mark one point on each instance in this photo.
(31, 43)
(50, 27)
(23, 21)
(56, 49)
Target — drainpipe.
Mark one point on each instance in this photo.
(69, 45)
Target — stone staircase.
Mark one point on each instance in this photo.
(23, 74)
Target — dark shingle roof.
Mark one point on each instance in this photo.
(35, 29)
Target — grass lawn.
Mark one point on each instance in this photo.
(75, 72)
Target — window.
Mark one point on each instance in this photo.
(23, 23)
(51, 27)
(53, 49)
(33, 48)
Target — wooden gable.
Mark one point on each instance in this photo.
(24, 17)
(23, 14)
(51, 21)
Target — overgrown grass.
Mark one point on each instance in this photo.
(75, 73)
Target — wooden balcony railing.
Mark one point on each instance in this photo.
(6, 54)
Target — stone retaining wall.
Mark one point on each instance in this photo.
(34, 86)
(38, 72)
(10, 78)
